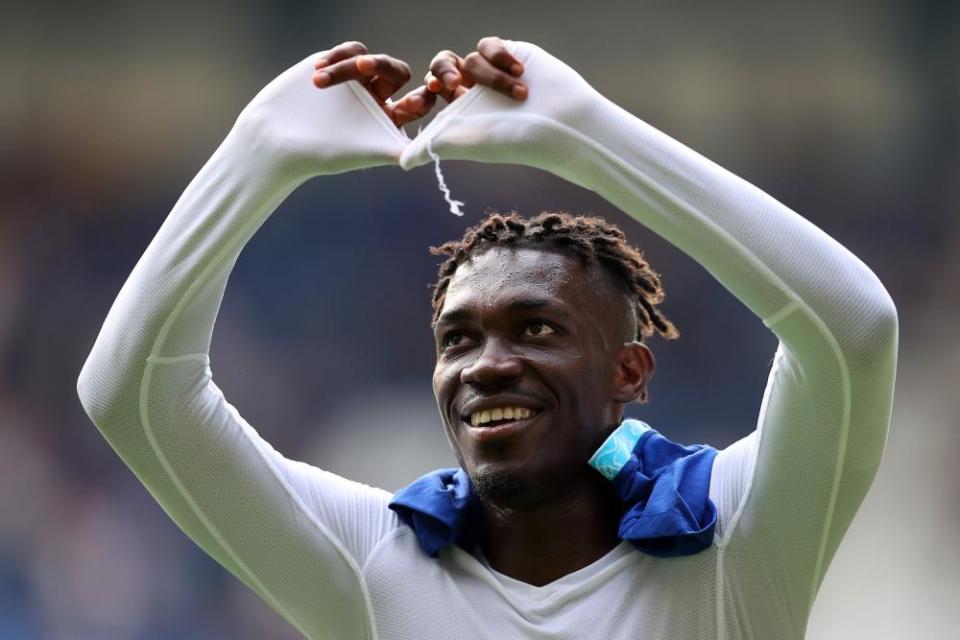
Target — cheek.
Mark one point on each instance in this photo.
(444, 378)
(592, 392)
(439, 387)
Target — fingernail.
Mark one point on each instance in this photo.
(516, 69)
(321, 79)
(366, 63)
(518, 91)
(450, 79)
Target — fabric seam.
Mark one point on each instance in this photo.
(218, 538)
(217, 261)
(381, 543)
(719, 589)
(201, 357)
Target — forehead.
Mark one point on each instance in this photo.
(503, 274)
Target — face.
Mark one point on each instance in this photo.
(535, 362)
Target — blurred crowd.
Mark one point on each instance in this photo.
(849, 114)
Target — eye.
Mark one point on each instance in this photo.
(538, 329)
(452, 339)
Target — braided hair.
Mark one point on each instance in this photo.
(590, 239)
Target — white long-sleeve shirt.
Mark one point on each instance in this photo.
(327, 554)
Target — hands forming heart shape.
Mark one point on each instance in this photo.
(512, 102)
(449, 77)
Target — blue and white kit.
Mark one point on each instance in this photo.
(329, 556)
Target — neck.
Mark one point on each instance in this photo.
(540, 543)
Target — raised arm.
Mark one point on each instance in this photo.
(787, 493)
(291, 532)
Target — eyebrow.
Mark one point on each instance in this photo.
(458, 314)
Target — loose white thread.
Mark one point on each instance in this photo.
(455, 205)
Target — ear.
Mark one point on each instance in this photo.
(634, 369)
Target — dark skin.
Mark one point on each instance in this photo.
(522, 328)
(382, 75)
(450, 76)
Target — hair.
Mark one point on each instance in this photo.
(591, 239)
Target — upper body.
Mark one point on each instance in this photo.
(329, 555)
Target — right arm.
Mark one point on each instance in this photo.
(293, 533)
(787, 493)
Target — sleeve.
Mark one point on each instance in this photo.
(787, 493)
(295, 534)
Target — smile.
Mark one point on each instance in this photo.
(495, 430)
(500, 415)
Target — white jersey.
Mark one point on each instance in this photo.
(328, 555)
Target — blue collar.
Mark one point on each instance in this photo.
(441, 509)
(666, 486)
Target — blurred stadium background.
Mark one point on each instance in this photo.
(848, 112)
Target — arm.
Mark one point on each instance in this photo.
(787, 493)
(293, 533)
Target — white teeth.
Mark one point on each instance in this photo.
(500, 413)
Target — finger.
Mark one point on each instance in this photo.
(446, 66)
(480, 70)
(381, 88)
(433, 85)
(341, 52)
(495, 50)
(339, 72)
(413, 105)
(391, 72)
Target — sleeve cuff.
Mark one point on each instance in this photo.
(617, 448)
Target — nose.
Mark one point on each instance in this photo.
(494, 366)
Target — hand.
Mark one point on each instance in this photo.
(487, 123)
(491, 65)
(299, 131)
(382, 76)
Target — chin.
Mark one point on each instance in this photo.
(513, 486)
(500, 485)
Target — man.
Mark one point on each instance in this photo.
(564, 522)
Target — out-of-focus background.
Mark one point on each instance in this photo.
(848, 112)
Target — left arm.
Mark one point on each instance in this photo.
(788, 492)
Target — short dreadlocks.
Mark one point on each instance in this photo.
(590, 239)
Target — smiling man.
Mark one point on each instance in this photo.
(537, 326)
(563, 520)
(526, 367)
